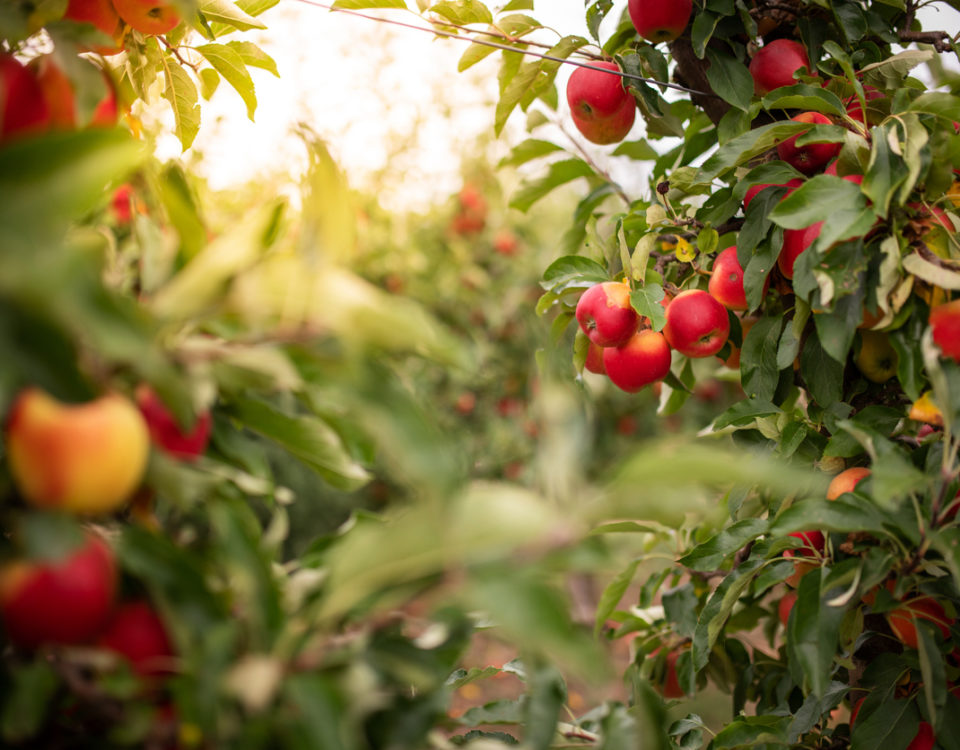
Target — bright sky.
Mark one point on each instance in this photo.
(374, 91)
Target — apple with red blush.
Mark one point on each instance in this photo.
(643, 359)
(811, 157)
(606, 315)
(775, 64)
(726, 281)
(602, 109)
(697, 324)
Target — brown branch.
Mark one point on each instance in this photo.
(941, 40)
(691, 73)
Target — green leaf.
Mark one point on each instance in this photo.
(28, 695)
(573, 270)
(462, 12)
(612, 595)
(474, 54)
(226, 12)
(821, 372)
(228, 63)
(704, 24)
(712, 553)
(753, 730)
(730, 79)
(839, 203)
(546, 695)
(528, 150)
(942, 105)
(646, 301)
(745, 412)
(308, 438)
(745, 147)
(595, 15)
(806, 97)
(517, 5)
(886, 171)
(253, 56)
(209, 82)
(180, 91)
(718, 608)
(558, 173)
(758, 359)
(639, 150)
(840, 515)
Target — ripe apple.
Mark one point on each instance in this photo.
(855, 111)
(600, 106)
(63, 601)
(795, 241)
(726, 281)
(23, 108)
(697, 325)
(594, 361)
(136, 632)
(505, 242)
(148, 16)
(57, 91)
(755, 190)
(643, 359)
(845, 481)
(668, 684)
(466, 403)
(83, 458)
(877, 359)
(810, 158)
(814, 545)
(606, 315)
(785, 606)
(102, 15)
(903, 619)
(660, 20)
(166, 433)
(775, 64)
(945, 322)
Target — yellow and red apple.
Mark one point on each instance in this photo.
(643, 359)
(846, 480)
(83, 458)
(148, 16)
(945, 323)
(606, 315)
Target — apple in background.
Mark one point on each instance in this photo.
(846, 480)
(600, 106)
(505, 242)
(795, 241)
(785, 605)
(82, 458)
(23, 107)
(697, 325)
(136, 632)
(755, 190)
(852, 104)
(814, 545)
(102, 15)
(594, 361)
(64, 601)
(606, 315)
(669, 684)
(903, 619)
(148, 16)
(945, 322)
(121, 204)
(775, 63)
(877, 359)
(466, 403)
(726, 281)
(166, 433)
(642, 360)
(660, 20)
(733, 361)
(923, 740)
(810, 158)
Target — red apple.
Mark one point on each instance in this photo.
(23, 107)
(605, 314)
(669, 684)
(814, 545)
(945, 322)
(166, 433)
(726, 281)
(924, 739)
(775, 64)
(795, 241)
(903, 619)
(697, 325)
(755, 190)
(99, 13)
(137, 633)
(846, 480)
(57, 91)
(810, 158)
(505, 242)
(63, 601)
(466, 402)
(643, 359)
(148, 16)
(601, 107)
(660, 20)
(594, 360)
(785, 606)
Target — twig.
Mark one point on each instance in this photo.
(506, 47)
(941, 40)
